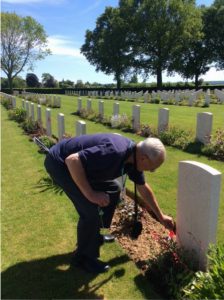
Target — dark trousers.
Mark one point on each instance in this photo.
(90, 222)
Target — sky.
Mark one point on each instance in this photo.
(65, 23)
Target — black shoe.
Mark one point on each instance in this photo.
(94, 265)
(106, 238)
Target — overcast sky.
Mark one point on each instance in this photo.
(65, 22)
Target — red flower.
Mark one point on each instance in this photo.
(171, 234)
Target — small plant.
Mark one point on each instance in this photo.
(156, 100)
(47, 141)
(122, 122)
(30, 126)
(215, 148)
(176, 137)
(145, 131)
(17, 114)
(6, 103)
(170, 271)
(205, 105)
(208, 285)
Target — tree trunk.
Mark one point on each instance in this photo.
(118, 79)
(10, 83)
(118, 82)
(196, 81)
(159, 78)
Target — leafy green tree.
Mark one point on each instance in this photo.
(106, 46)
(214, 31)
(23, 42)
(48, 81)
(18, 82)
(79, 84)
(194, 58)
(32, 80)
(66, 84)
(134, 79)
(4, 83)
(161, 28)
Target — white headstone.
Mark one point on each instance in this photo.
(13, 102)
(23, 104)
(80, 128)
(197, 209)
(79, 104)
(163, 120)
(136, 117)
(101, 108)
(39, 118)
(61, 126)
(32, 111)
(207, 99)
(27, 109)
(48, 121)
(116, 107)
(204, 127)
(89, 104)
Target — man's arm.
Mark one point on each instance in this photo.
(151, 204)
(78, 175)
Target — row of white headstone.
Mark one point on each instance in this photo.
(43, 99)
(10, 98)
(198, 196)
(29, 107)
(177, 95)
(204, 120)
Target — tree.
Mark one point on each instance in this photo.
(23, 42)
(48, 81)
(79, 84)
(32, 80)
(161, 28)
(194, 58)
(106, 47)
(214, 31)
(18, 82)
(134, 79)
(194, 61)
(66, 84)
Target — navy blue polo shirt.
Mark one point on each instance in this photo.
(102, 155)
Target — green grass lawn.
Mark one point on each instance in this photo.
(164, 181)
(38, 232)
(38, 228)
(180, 116)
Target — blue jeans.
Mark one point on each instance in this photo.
(89, 224)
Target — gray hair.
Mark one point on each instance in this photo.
(153, 148)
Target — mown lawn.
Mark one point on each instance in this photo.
(164, 181)
(184, 117)
(38, 233)
(180, 116)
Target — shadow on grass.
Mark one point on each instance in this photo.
(53, 277)
(47, 184)
(194, 148)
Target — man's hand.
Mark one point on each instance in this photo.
(100, 198)
(168, 222)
